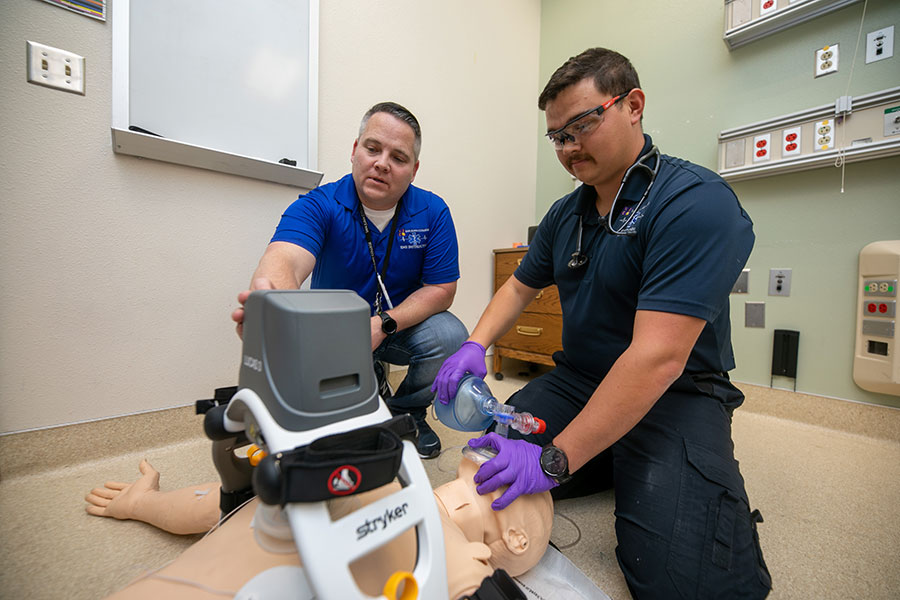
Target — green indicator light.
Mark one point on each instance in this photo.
(890, 288)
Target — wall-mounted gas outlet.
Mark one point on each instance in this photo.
(826, 60)
(824, 135)
(762, 147)
(779, 282)
(880, 44)
(790, 142)
(55, 68)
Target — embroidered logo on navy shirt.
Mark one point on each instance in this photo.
(411, 239)
(628, 218)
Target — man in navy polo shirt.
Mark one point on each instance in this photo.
(644, 255)
(373, 232)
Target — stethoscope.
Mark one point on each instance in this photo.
(579, 259)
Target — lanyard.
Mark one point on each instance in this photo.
(379, 277)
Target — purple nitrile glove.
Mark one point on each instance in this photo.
(468, 359)
(518, 464)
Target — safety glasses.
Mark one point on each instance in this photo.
(582, 125)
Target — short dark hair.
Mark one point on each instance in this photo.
(399, 112)
(612, 74)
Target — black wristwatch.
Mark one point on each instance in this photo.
(555, 464)
(388, 324)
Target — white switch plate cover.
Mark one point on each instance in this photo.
(762, 147)
(767, 6)
(790, 142)
(54, 68)
(880, 44)
(826, 60)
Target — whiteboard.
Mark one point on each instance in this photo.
(218, 84)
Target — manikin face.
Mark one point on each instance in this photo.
(600, 157)
(383, 161)
(517, 535)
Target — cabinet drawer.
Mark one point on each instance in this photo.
(546, 301)
(506, 262)
(533, 332)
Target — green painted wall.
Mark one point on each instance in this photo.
(696, 88)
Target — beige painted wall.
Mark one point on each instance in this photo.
(118, 274)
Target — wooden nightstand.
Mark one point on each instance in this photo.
(538, 332)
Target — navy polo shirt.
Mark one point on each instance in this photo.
(326, 221)
(692, 238)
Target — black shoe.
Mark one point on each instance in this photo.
(428, 444)
(384, 388)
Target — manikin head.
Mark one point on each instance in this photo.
(517, 536)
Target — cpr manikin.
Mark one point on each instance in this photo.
(477, 540)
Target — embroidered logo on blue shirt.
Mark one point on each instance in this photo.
(411, 239)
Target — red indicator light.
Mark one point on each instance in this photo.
(790, 147)
(761, 144)
(870, 307)
(882, 308)
(768, 4)
(790, 137)
(760, 153)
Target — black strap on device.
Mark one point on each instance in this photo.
(333, 466)
(379, 278)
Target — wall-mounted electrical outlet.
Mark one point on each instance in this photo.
(767, 6)
(762, 147)
(826, 60)
(779, 282)
(823, 135)
(55, 68)
(790, 142)
(880, 44)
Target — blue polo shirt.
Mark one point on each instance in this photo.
(692, 238)
(326, 221)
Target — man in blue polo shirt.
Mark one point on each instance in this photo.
(373, 232)
(644, 254)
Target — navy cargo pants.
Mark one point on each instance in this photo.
(683, 520)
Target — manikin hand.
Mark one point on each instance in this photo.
(468, 359)
(260, 283)
(119, 500)
(517, 464)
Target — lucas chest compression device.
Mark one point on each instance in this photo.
(307, 396)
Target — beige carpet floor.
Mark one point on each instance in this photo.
(824, 473)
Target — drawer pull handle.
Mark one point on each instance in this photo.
(540, 295)
(532, 331)
(519, 261)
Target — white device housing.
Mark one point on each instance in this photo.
(876, 362)
(326, 547)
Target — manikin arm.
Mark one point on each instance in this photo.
(188, 510)
(477, 540)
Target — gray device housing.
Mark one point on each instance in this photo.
(307, 355)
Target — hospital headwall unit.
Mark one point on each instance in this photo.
(849, 129)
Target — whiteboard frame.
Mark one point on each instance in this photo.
(143, 145)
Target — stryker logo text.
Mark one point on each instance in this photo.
(373, 525)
